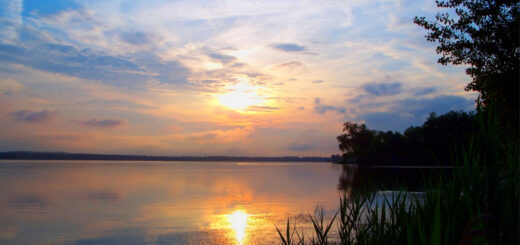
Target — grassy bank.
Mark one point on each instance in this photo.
(477, 204)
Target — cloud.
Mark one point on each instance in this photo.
(169, 72)
(72, 61)
(382, 89)
(33, 116)
(95, 64)
(293, 67)
(238, 65)
(101, 123)
(262, 108)
(10, 19)
(233, 134)
(202, 137)
(10, 86)
(175, 127)
(317, 81)
(322, 109)
(405, 113)
(65, 137)
(424, 91)
(136, 38)
(225, 59)
(300, 147)
(288, 47)
(102, 196)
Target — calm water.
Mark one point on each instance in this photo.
(106, 202)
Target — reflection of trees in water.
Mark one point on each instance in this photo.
(352, 179)
(363, 179)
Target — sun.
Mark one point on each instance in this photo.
(240, 97)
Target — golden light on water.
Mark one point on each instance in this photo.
(240, 97)
(238, 221)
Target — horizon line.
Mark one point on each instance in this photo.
(48, 155)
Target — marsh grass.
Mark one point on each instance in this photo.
(477, 204)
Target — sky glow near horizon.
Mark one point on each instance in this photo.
(261, 78)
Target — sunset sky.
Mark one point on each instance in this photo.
(256, 78)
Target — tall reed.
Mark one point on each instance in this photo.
(477, 204)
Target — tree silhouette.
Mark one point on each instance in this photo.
(484, 34)
(355, 143)
(428, 144)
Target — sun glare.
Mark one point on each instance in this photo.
(238, 221)
(240, 97)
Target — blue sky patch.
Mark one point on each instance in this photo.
(43, 7)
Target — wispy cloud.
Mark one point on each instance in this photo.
(382, 89)
(136, 38)
(225, 59)
(288, 47)
(67, 137)
(293, 67)
(202, 138)
(407, 112)
(221, 136)
(72, 61)
(103, 195)
(322, 108)
(10, 86)
(33, 116)
(10, 20)
(424, 91)
(101, 123)
(262, 108)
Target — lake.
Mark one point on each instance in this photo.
(132, 202)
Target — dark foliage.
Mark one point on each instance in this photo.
(484, 34)
(476, 203)
(427, 144)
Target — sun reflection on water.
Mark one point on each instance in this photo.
(238, 221)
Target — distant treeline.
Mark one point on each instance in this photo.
(433, 143)
(27, 155)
